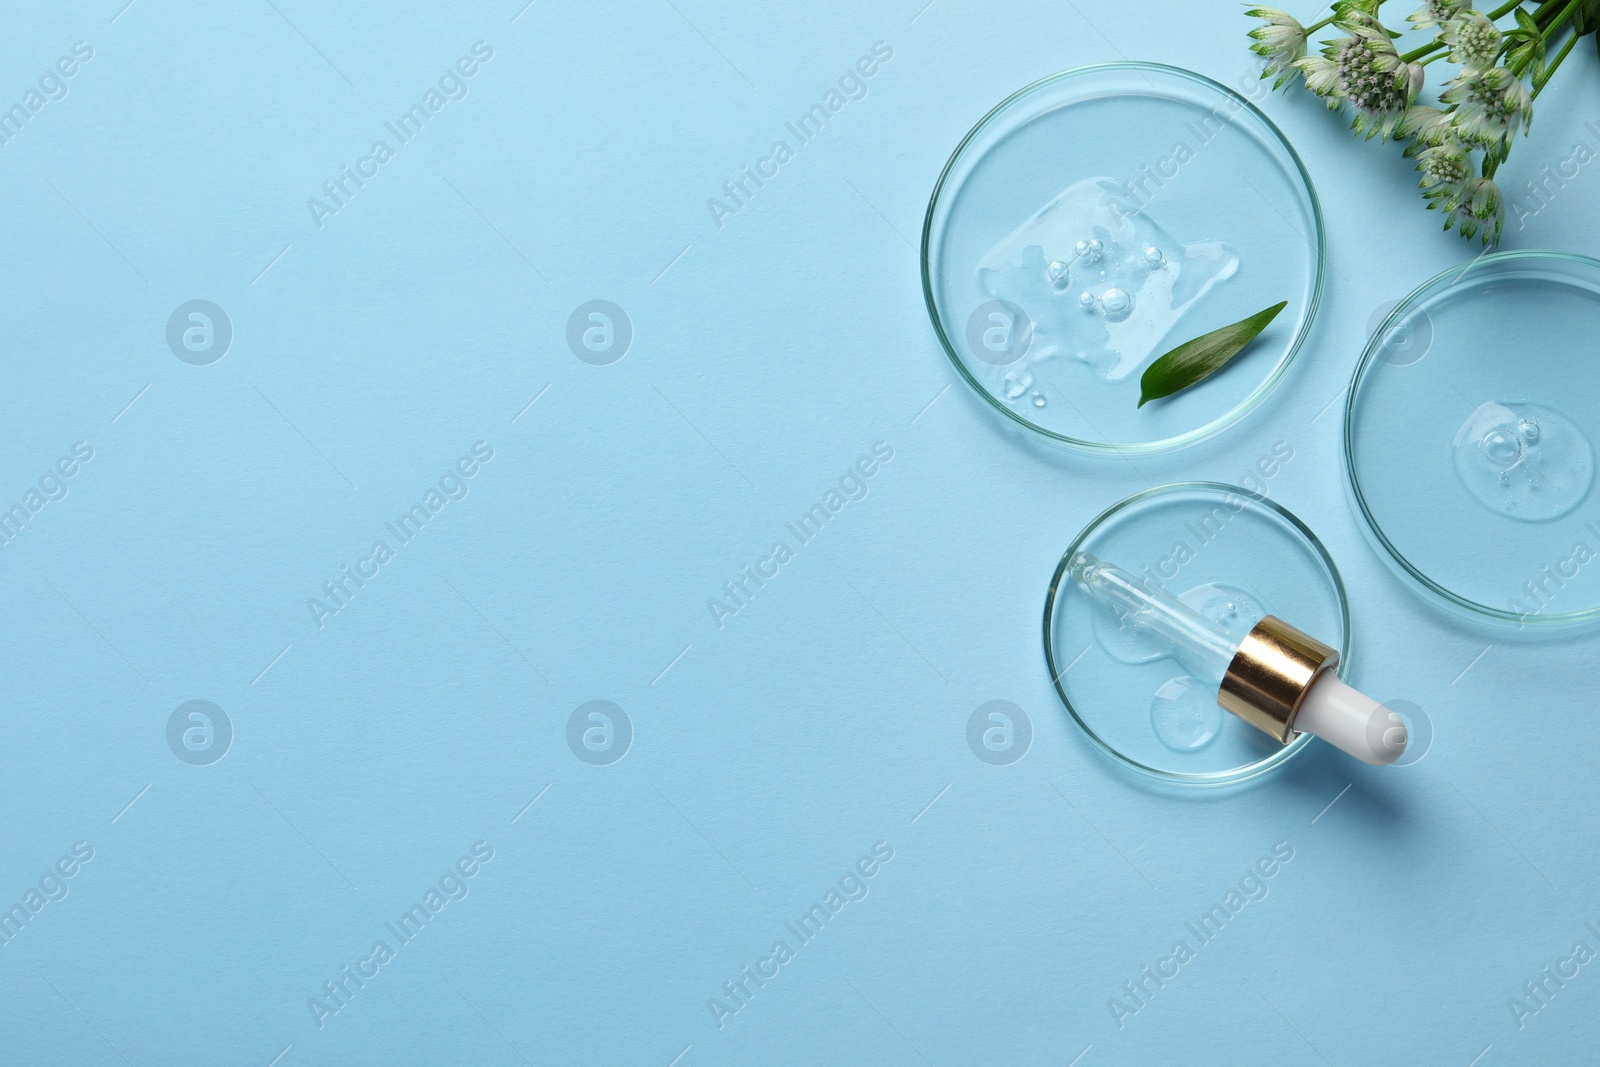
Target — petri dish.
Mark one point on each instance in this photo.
(1097, 219)
(1469, 438)
(1231, 554)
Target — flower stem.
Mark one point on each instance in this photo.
(1504, 10)
(1545, 9)
(1566, 12)
(1418, 53)
(1550, 70)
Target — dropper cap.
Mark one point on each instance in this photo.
(1281, 681)
(1350, 720)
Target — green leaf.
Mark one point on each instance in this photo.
(1196, 360)
(1518, 59)
(1587, 19)
(1526, 24)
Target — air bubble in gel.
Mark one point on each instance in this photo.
(1117, 304)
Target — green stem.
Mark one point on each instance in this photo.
(1566, 12)
(1315, 26)
(1549, 17)
(1430, 59)
(1503, 11)
(1550, 70)
(1545, 10)
(1418, 53)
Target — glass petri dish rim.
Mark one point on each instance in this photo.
(1443, 280)
(1237, 774)
(1245, 406)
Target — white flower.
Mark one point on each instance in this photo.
(1416, 74)
(1428, 127)
(1445, 171)
(1474, 41)
(1491, 105)
(1481, 206)
(1348, 9)
(1280, 39)
(1322, 72)
(1364, 70)
(1437, 12)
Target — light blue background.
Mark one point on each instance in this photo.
(768, 755)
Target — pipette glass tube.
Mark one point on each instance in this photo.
(1278, 679)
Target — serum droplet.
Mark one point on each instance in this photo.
(1525, 461)
(1153, 256)
(1058, 273)
(1086, 299)
(1185, 715)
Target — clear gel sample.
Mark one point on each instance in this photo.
(1185, 714)
(1523, 460)
(1103, 281)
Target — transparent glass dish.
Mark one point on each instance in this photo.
(1100, 217)
(1470, 434)
(1233, 556)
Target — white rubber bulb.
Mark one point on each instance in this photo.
(1351, 721)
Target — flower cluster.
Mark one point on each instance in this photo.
(1459, 144)
(1364, 72)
